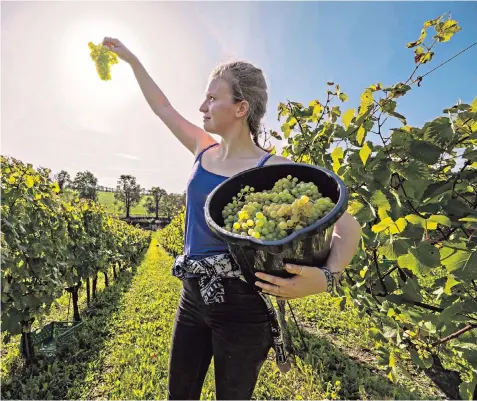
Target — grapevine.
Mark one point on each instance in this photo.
(49, 244)
(413, 191)
(172, 236)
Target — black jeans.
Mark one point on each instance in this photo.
(236, 333)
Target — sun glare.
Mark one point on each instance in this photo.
(83, 83)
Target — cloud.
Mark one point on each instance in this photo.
(126, 156)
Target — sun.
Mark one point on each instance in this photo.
(84, 86)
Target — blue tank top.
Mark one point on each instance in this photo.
(199, 241)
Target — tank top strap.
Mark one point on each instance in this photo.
(264, 159)
(199, 156)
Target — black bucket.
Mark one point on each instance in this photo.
(309, 246)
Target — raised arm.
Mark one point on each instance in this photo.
(191, 136)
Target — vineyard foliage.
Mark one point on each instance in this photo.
(172, 236)
(50, 244)
(414, 192)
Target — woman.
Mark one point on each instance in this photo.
(220, 315)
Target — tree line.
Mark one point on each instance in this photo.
(157, 201)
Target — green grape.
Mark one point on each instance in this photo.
(289, 206)
(104, 58)
(283, 225)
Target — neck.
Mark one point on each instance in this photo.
(238, 145)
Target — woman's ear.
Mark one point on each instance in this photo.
(242, 109)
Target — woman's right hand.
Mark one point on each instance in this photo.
(117, 47)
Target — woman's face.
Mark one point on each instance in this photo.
(220, 112)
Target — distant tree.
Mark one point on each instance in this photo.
(152, 202)
(171, 204)
(63, 179)
(87, 185)
(128, 192)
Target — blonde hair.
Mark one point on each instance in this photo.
(247, 83)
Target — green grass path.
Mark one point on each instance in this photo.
(135, 360)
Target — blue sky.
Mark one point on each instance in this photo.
(359, 43)
(57, 113)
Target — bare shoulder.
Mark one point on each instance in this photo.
(204, 143)
(277, 159)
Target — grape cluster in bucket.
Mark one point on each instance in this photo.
(274, 214)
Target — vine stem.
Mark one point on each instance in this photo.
(455, 335)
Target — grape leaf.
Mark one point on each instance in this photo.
(347, 117)
(364, 153)
(425, 151)
(459, 261)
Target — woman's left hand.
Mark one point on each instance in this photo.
(308, 281)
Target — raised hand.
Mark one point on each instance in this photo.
(117, 47)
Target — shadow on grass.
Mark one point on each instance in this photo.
(357, 379)
(64, 376)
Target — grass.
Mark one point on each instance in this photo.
(113, 206)
(123, 352)
(136, 358)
